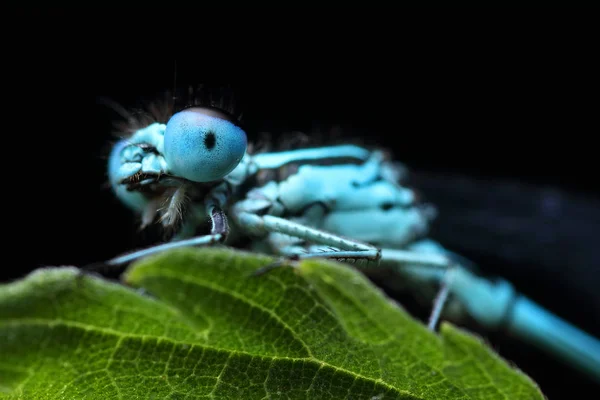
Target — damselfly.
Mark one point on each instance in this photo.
(344, 202)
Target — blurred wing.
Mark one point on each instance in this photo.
(544, 239)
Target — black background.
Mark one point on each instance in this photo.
(497, 112)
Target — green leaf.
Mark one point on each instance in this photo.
(204, 327)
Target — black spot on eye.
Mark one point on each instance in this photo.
(386, 206)
(210, 140)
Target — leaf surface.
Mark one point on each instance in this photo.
(198, 324)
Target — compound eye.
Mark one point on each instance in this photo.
(203, 144)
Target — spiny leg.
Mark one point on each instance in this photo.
(339, 247)
(343, 249)
(266, 224)
(439, 301)
(218, 234)
(434, 267)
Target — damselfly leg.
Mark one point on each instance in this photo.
(340, 248)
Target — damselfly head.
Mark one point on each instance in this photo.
(203, 140)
